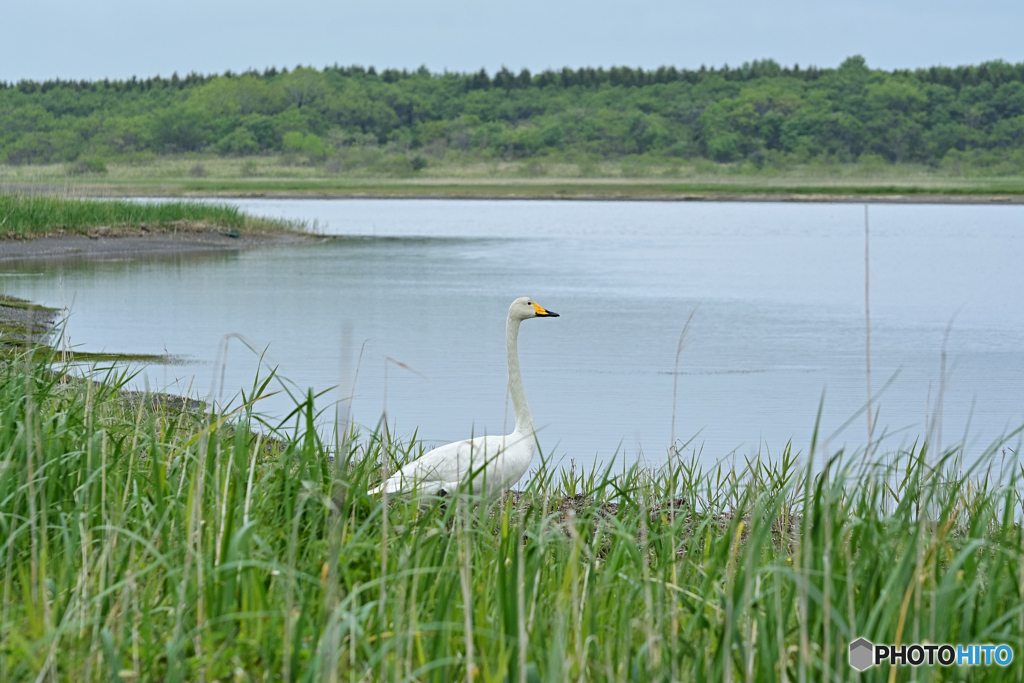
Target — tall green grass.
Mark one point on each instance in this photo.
(29, 215)
(142, 543)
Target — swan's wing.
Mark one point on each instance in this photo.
(445, 463)
(446, 466)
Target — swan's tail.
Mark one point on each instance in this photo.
(394, 484)
(401, 483)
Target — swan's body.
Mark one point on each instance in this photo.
(491, 463)
(497, 462)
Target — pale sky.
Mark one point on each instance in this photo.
(120, 38)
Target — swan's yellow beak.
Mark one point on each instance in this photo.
(542, 312)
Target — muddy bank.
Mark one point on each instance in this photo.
(24, 322)
(724, 196)
(107, 243)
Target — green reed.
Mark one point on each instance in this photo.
(29, 215)
(141, 542)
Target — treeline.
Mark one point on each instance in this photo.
(760, 112)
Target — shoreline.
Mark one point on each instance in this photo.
(803, 190)
(119, 244)
(979, 199)
(130, 242)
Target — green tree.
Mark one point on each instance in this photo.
(313, 147)
(239, 142)
(292, 141)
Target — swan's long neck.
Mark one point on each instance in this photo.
(524, 423)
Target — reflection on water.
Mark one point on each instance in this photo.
(778, 290)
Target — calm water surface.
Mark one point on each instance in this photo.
(778, 291)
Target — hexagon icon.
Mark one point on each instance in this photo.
(861, 654)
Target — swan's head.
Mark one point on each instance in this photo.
(524, 307)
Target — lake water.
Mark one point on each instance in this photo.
(778, 290)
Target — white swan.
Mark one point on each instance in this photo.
(496, 462)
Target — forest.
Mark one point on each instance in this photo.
(966, 120)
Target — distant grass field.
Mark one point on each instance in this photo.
(24, 215)
(139, 542)
(212, 176)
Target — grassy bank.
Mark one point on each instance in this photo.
(551, 178)
(145, 543)
(23, 215)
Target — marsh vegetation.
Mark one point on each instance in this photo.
(144, 542)
(27, 215)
